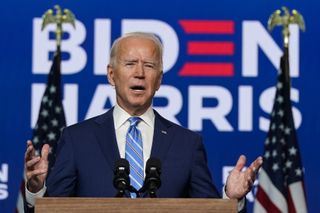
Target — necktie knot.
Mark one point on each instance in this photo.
(134, 121)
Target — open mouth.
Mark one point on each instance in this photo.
(137, 88)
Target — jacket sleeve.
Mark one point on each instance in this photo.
(201, 181)
(61, 181)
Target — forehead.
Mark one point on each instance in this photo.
(138, 46)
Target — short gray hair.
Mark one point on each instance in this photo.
(150, 36)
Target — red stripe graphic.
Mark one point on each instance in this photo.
(210, 48)
(265, 201)
(207, 69)
(207, 27)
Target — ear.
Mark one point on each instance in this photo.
(110, 74)
(159, 81)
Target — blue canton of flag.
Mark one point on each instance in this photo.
(281, 186)
(51, 119)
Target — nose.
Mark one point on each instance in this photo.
(140, 71)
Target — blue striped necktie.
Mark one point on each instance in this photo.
(134, 154)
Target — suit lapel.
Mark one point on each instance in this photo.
(105, 133)
(106, 138)
(162, 138)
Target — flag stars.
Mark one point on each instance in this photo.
(279, 85)
(288, 164)
(267, 141)
(287, 131)
(274, 139)
(44, 127)
(44, 113)
(51, 136)
(58, 110)
(273, 126)
(54, 122)
(274, 153)
(53, 89)
(35, 140)
(281, 127)
(282, 141)
(281, 113)
(293, 151)
(275, 167)
(298, 172)
(280, 99)
(267, 154)
(45, 99)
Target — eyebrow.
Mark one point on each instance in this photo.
(136, 60)
(130, 60)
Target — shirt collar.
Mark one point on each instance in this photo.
(120, 116)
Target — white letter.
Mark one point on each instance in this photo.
(294, 50)
(174, 105)
(255, 36)
(225, 173)
(216, 114)
(102, 45)
(4, 173)
(101, 95)
(42, 46)
(245, 108)
(3, 191)
(165, 32)
(266, 103)
(70, 103)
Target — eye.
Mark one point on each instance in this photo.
(129, 64)
(150, 65)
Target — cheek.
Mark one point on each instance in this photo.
(158, 82)
(119, 79)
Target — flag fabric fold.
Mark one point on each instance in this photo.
(281, 179)
(51, 119)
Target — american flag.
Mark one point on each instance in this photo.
(281, 182)
(51, 119)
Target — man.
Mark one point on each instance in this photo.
(87, 151)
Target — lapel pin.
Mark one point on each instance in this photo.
(164, 132)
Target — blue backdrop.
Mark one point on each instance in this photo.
(229, 108)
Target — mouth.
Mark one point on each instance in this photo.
(137, 88)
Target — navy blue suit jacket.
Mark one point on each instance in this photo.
(87, 152)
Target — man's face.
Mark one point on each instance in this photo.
(136, 74)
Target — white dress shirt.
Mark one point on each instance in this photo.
(146, 127)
